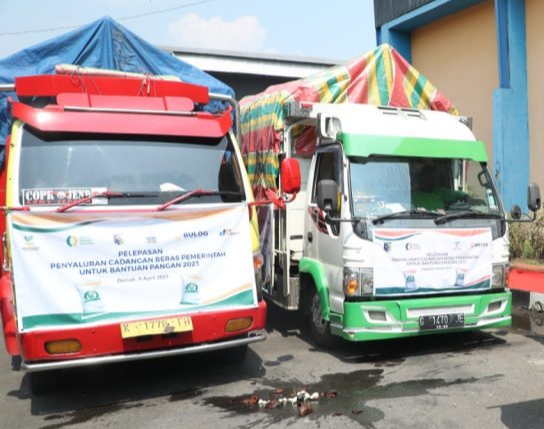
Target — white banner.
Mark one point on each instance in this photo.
(88, 268)
(427, 261)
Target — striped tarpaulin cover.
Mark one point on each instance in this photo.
(381, 77)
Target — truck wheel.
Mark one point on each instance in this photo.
(44, 381)
(16, 363)
(320, 328)
(234, 355)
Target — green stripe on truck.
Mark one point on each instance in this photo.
(316, 270)
(367, 145)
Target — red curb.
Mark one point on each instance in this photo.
(529, 280)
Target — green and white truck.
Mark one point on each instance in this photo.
(398, 229)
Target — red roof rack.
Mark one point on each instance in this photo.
(120, 104)
(55, 84)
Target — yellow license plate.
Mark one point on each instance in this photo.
(156, 327)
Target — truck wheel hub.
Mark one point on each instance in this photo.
(317, 319)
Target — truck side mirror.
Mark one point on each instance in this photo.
(515, 212)
(533, 197)
(290, 176)
(327, 196)
(533, 203)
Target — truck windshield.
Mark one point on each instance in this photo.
(387, 185)
(55, 168)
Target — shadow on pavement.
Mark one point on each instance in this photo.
(87, 393)
(523, 415)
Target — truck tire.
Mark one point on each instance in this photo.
(320, 328)
(16, 363)
(44, 381)
(234, 355)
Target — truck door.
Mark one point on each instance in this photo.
(326, 237)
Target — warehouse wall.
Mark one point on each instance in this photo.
(458, 54)
(535, 87)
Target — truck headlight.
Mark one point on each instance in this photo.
(358, 281)
(367, 281)
(498, 276)
(351, 281)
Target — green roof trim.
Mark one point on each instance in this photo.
(368, 145)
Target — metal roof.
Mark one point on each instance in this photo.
(388, 10)
(251, 63)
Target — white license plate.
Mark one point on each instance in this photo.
(156, 327)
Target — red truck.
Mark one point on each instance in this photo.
(129, 229)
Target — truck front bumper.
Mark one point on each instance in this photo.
(377, 320)
(102, 344)
(91, 361)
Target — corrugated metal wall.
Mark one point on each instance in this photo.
(388, 10)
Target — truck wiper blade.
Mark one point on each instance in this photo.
(404, 213)
(105, 194)
(465, 213)
(195, 193)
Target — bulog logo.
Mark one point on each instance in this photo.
(195, 234)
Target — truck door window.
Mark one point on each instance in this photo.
(328, 167)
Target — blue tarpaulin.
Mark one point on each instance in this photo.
(101, 44)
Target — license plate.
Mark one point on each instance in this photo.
(156, 327)
(441, 321)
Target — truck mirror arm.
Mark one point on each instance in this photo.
(279, 201)
(519, 219)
